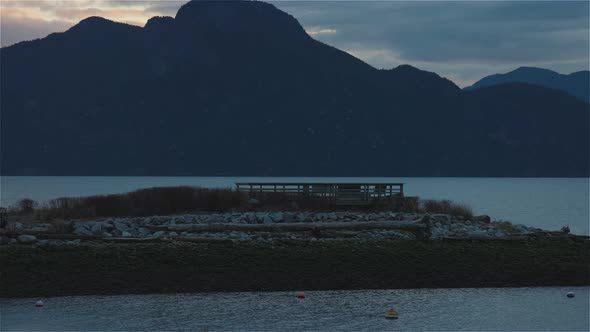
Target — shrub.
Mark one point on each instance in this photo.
(146, 202)
(26, 205)
(447, 207)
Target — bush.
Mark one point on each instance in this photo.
(447, 207)
(26, 205)
(146, 202)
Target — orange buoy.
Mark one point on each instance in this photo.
(300, 295)
(391, 314)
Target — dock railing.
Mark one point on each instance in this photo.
(336, 193)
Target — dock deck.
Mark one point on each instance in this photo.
(337, 193)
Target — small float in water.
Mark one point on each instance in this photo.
(570, 294)
(39, 303)
(301, 295)
(391, 314)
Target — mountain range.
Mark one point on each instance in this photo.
(577, 84)
(239, 88)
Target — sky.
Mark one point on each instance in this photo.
(461, 40)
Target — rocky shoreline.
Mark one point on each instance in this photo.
(266, 251)
(272, 226)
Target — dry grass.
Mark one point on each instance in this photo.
(446, 207)
(184, 199)
(144, 202)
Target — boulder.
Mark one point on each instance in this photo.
(158, 234)
(41, 227)
(125, 234)
(26, 239)
(74, 243)
(142, 231)
(121, 226)
(267, 220)
(82, 230)
(276, 217)
(96, 228)
(251, 218)
(107, 234)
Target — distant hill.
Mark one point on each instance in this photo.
(239, 88)
(576, 84)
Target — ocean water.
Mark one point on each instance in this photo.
(476, 309)
(549, 203)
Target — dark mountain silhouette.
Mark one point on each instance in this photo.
(239, 88)
(576, 84)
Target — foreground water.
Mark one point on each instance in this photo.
(548, 203)
(498, 309)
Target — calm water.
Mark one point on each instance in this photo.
(548, 203)
(497, 309)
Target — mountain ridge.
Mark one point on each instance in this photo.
(576, 83)
(194, 98)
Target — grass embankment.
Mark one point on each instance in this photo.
(180, 200)
(243, 266)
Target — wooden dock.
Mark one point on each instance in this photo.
(344, 194)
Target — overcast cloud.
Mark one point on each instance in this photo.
(463, 41)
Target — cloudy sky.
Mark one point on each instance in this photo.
(461, 40)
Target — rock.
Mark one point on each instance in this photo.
(75, 242)
(441, 217)
(173, 234)
(251, 218)
(304, 217)
(96, 228)
(18, 226)
(80, 229)
(107, 234)
(499, 233)
(483, 218)
(289, 217)
(41, 227)
(125, 234)
(276, 217)
(468, 222)
(120, 226)
(267, 220)
(438, 225)
(43, 242)
(27, 239)
(478, 233)
(216, 219)
(158, 234)
(522, 229)
(142, 231)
